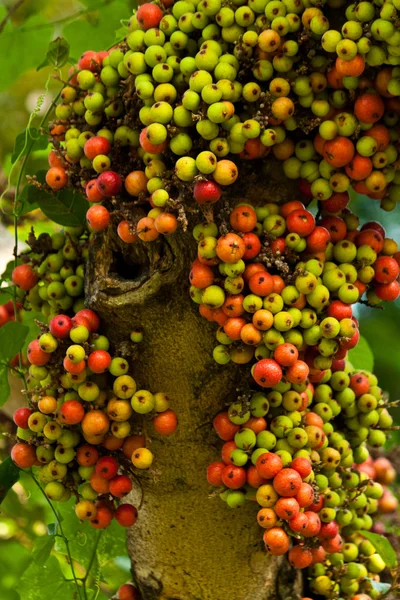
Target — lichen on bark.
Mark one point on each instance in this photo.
(187, 544)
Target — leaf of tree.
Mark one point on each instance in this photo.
(383, 547)
(40, 142)
(380, 587)
(97, 27)
(57, 54)
(66, 207)
(45, 582)
(12, 338)
(42, 549)
(6, 275)
(9, 474)
(21, 48)
(361, 357)
(4, 385)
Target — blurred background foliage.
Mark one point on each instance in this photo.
(26, 28)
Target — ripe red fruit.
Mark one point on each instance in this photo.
(224, 427)
(386, 269)
(23, 455)
(149, 15)
(109, 183)
(267, 372)
(290, 206)
(300, 557)
(318, 555)
(99, 361)
(359, 383)
(298, 523)
(60, 326)
(72, 412)
(276, 541)
(298, 372)
(318, 240)
(253, 477)
(339, 151)
(96, 145)
(261, 284)
(102, 519)
(92, 192)
(24, 277)
(268, 465)
(226, 452)
(97, 217)
(120, 486)
(374, 225)
(126, 516)
(89, 61)
(253, 246)
(36, 355)
(87, 455)
(287, 508)
(107, 467)
(302, 466)
(91, 316)
(305, 495)
(74, 368)
(286, 354)
(313, 525)
(287, 482)
(21, 417)
(233, 477)
(334, 545)
(300, 221)
(214, 473)
(206, 192)
(328, 530)
(339, 310)
(127, 591)
(388, 292)
(125, 233)
(4, 315)
(337, 202)
(166, 422)
(369, 108)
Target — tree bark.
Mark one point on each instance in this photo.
(187, 544)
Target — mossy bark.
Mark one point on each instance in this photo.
(187, 544)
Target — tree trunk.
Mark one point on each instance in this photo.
(187, 544)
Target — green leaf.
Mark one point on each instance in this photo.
(6, 294)
(57, 54)
(9, 474)
(98, 27)
(40, 142)
(42, 549)
(6, 275)
(361, 357)
(45, 582)
(12, 338)
(121, 33)
(4, 385)
(21, 48)
(383, 547)
(52, 529)
(380, 587)
(66, 207)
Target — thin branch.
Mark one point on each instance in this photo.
(10, 13)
